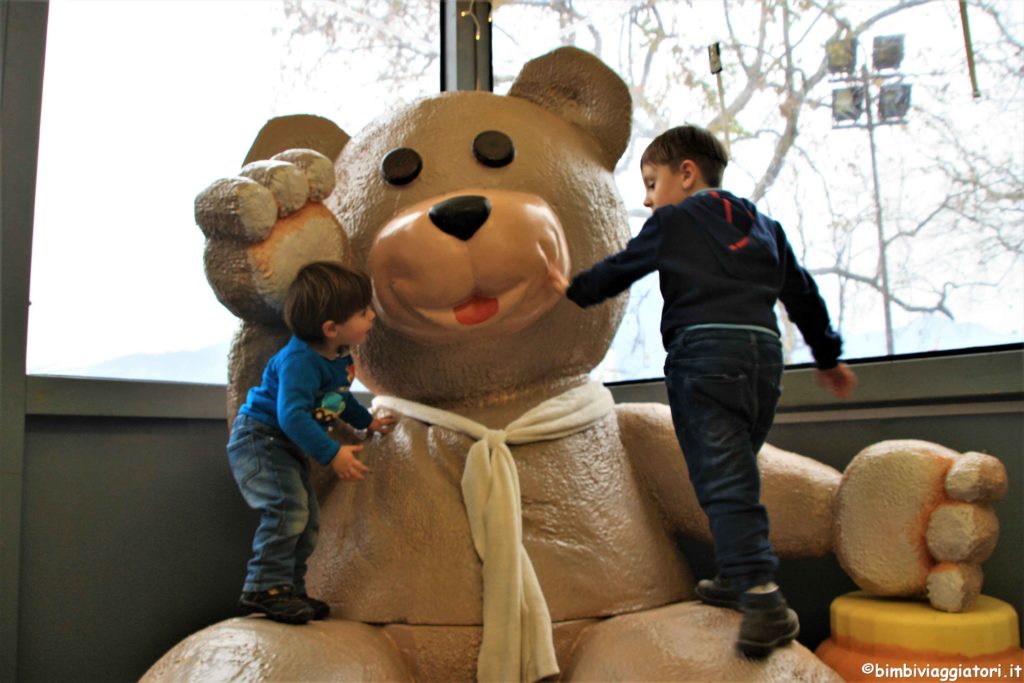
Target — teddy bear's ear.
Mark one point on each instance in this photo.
(578, 86)
(298, 131)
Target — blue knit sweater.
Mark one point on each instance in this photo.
(719, 261)
(302, 393)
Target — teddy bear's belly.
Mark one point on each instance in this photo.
(396, 547)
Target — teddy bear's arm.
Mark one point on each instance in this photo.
(797, 491)
(650, 442)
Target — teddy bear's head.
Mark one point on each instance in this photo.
(458, 204)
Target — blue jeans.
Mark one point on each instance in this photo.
(723, 386)
(273, 475)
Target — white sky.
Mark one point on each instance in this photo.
(144, 104)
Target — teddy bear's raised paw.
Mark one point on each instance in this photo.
(246, 207)
(263, 225)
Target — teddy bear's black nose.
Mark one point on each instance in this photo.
(461, 216)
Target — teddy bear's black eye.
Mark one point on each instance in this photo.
(493, 148)
(400, 166)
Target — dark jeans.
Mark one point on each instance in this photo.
(273, 475)
(723, 386)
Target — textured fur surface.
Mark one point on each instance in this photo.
(601, 508)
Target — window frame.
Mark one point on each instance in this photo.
(940, 383)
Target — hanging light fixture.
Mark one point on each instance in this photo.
(887, 52)
(847, 104)
(893, 101)
(842, 55)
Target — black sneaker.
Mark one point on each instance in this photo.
(717, 592)
(279, 604)
(767, 623)
(320, 608)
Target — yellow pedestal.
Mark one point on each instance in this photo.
(883, 639)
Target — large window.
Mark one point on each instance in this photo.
(925, 256)
(911, 216)
(144, 104)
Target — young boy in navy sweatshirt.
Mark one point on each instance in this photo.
(722, 267)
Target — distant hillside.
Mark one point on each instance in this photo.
(208, 365)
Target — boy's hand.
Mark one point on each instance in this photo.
(383, 424)
(557, 279)
(345, 464)
(840, 380)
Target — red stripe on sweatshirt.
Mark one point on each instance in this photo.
(739, 245)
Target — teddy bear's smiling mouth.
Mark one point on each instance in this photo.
(477, 309)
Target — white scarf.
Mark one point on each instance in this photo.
(517, 639)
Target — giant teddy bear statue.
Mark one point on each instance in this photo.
(517, 524)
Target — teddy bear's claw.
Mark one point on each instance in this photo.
(319, 170)
(961, 532)
(977, 478)
(285, 181)
(237, 209)
(954, 587)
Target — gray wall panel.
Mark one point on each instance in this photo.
(134, 535)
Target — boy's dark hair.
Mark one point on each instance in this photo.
(322, 291)
(677, 144)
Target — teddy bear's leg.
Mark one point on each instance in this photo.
(253, 648)
(686, 641)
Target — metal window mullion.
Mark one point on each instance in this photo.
(466, 45)
(22, 49)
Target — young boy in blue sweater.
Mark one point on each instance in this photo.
(722, 266)
(305, 388)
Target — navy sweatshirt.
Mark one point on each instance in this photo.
(719, 261)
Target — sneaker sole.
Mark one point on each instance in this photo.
(252, 608)
(761, 649)
(718, 600)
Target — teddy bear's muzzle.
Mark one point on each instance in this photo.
(471, 262)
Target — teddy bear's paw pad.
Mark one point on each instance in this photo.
(912, 519)
(882, 510)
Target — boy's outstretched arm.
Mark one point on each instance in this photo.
(840, 380)
(615, 274)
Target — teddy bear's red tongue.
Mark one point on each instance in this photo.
(476, 310)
